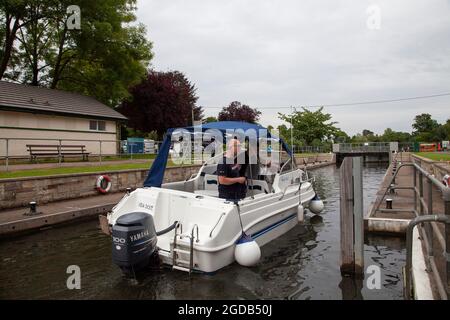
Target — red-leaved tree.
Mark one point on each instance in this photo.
(239, 112)
(162, 100)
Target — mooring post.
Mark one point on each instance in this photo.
(358, 215)
(351, 216)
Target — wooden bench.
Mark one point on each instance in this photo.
(50, 150)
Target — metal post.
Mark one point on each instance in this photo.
(7, 154)
(59, 152)
(447, 242)
(420, 193)
(409, 243)
(428, 227)
(415, 186)
(292, 128)
(100, 157)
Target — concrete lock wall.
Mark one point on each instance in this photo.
(21, 125)
(321, 157)
(19, 192)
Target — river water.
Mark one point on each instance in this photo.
(302, 264)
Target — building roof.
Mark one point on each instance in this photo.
(42, 100)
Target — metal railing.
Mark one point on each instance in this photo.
(364, 147)
(311, 149)
(431, 233)
(16, 150)
(409, 248)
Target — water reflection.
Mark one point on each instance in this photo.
(302, 264)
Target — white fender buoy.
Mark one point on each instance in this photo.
(300, 213)
(247, 252)
(446, 180)
(316, 205)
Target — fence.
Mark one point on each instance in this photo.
(311, 149)
(363, 147)
(17, 150)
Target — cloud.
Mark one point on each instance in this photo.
(286, 52)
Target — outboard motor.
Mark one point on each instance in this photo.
(134, 241)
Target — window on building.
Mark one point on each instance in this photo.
(92, 125)
(97, 125)
(101, 125)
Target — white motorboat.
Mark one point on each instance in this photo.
(190, 228)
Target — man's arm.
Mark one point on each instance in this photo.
(227, 181)
(222, 173)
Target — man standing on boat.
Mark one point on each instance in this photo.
(231, 177)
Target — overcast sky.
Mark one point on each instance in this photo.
(272, 54)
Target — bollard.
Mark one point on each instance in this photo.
(392, 188)
(388, 203)
(128, 190)
(33, 209)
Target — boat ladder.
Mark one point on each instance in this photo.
(183, 256)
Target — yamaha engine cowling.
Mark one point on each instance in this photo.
(134, 241)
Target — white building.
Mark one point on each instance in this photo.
(34, 115)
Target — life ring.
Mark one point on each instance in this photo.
(446, 180)
(100, 185)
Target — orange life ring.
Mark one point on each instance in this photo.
(446, 180)
(100, 185)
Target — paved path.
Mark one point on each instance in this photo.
(14, 220)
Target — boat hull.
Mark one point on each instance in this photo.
(208, 227)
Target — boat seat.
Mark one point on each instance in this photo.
(209, 193)
(259, 186)
(211, 182)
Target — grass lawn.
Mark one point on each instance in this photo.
(72, 170)
(436, 156)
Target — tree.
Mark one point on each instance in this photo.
(197, 113)
(424, 123)
(107, 55)
(239, 112)
(367, 133)
(446, 129)
(391, 135)
(309, 125)
(341, 137)
(163, 100)
(11, 18)
(209, 119)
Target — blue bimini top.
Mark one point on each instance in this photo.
(156, 173)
